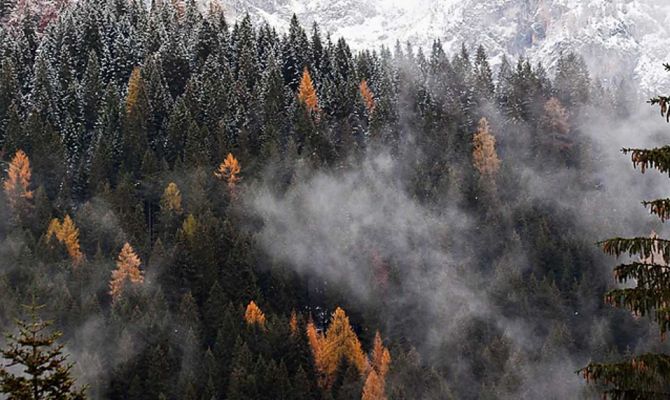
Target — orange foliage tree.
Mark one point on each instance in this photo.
(307, 92)
(368, 96)
(229, 170)
(380, 359)
(67, 234)
(127, 268)
(373, 388)
(484, 155)
(254, 315)
(293, 323)
(17, 184)
(316, 342)
(340, 343)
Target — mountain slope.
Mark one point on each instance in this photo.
(618, 38)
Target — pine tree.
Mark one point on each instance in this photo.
(34, 366)
(645, 376)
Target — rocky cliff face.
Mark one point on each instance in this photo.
(618, 38)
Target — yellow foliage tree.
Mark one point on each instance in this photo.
(484, 155)
(135, 90)
(127, 268)
(368, 96)
(171, 199)
(254, 315)
(373, 388)
(67, 233)
(229, 170)
(17, 184)
(340, 343)
(307, 92)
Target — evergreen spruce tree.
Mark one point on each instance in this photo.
(644, 376)
(43, 370)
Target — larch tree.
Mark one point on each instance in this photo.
(17, 183)
(380, 359)
(368, 96)
(67, 233)
(316, 343)
(127, 268)
(34, 366)
(646, 292)
(484, 155)
(373, 388)
(229, 170)
(341, 342)
(254, 316)
(293, 324)
(307, 92)
(171, 199)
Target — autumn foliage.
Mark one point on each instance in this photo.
(135, 90)
(254, 316)
(67, 234)
(171, 199)
(484, 155)
(307, 92)
(340, 342)
(127, 268)
(17, 184)
(293, 324)
(229, 170)
(373, 388)
(367, 95)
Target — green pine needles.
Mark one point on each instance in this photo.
(34, 366)
(644, 376)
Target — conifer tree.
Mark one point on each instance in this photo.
(171, 199)
(127, 268)
(367, 95)
(34, 366)
(341, 343)
(229, 170)
(67, 234)
(307, 93)
(644, 376)
(484, 155)
(17, 183)
(254, 316)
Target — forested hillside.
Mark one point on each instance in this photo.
(219, 211)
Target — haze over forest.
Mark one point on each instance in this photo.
(199, 205)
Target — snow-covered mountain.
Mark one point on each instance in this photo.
(618, 38)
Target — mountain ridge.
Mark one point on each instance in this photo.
(629, 35)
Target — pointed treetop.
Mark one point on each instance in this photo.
(307, 92)
(229, 170)
(127, 268)
(254, 316)
(17, 184)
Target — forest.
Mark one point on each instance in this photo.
(210, 209)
